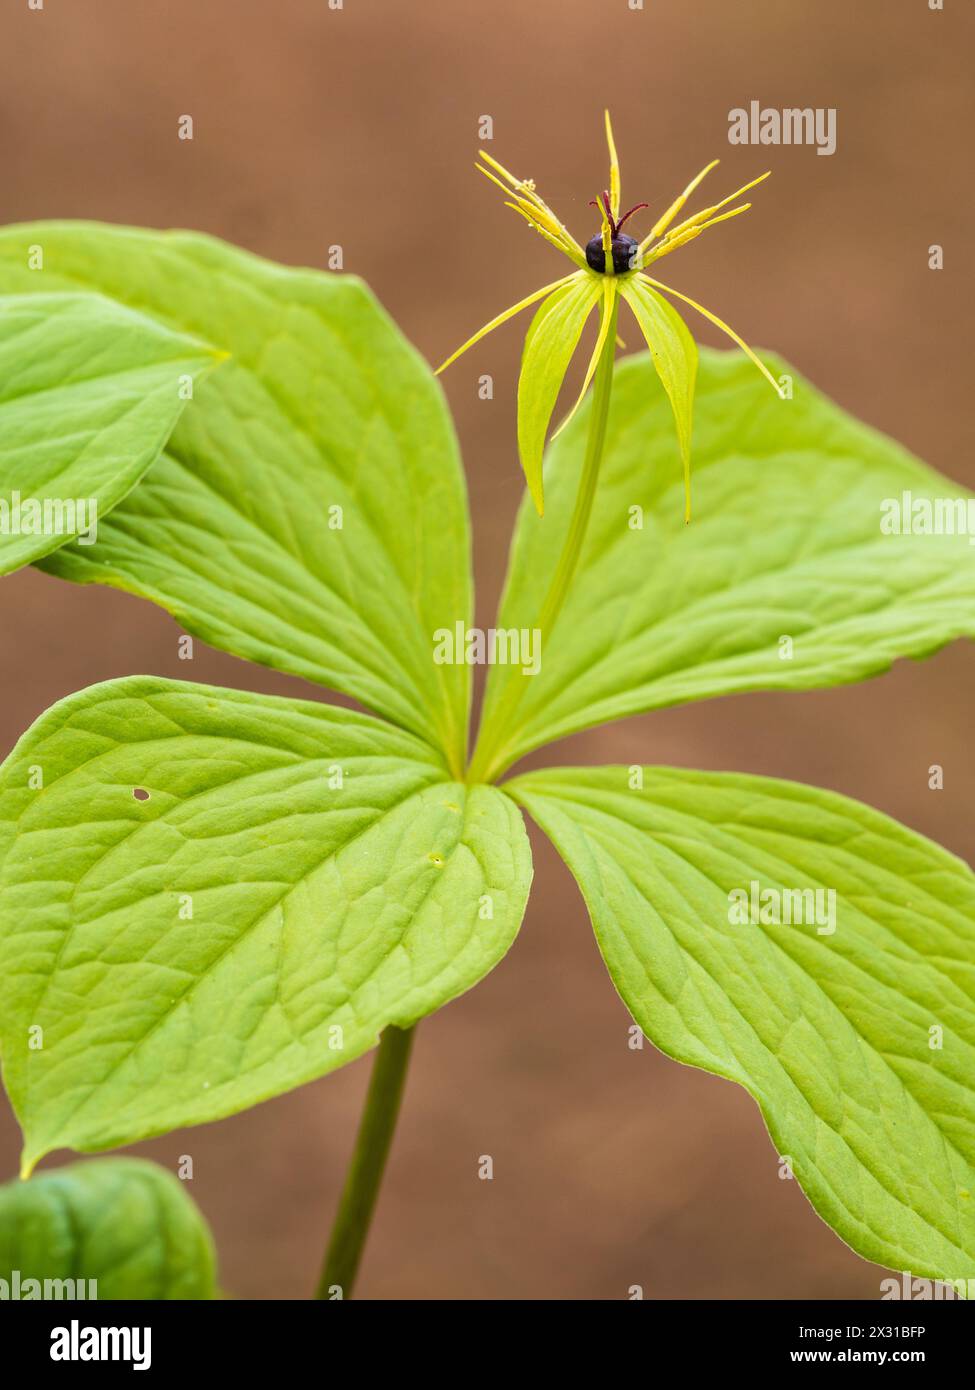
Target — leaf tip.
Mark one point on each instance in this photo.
(537, 495)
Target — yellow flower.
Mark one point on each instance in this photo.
(610, 267)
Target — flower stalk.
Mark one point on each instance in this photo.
(489, 760)
(578, 526)
(610, 267)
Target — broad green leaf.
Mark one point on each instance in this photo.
(858, 1042)
(674, 355)
(309, 511)
(784, 580)
(125, 1227)
(89, 394)
(549, 346)
(216, 896)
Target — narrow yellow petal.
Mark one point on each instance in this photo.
(614, 169)
(529, 203)
(489, 159)
(726, 216)
(533, 204)
(719, 323)
(503, 318)
(744, 189)
(708, 213)
(661, 225)
(494, 179)
(676, 240)
(604, 321)
(525, 188)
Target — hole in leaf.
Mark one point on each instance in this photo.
(140, 794)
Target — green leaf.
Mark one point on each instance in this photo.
(786, 542)
(834, 1033)
(674, 355)
(297, 878)
(325, 415)
(89, 394)
(549, 346)
(125, 1227)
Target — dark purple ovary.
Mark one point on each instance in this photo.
(625, 254)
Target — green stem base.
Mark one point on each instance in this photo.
(365, 1173)
(489, 761)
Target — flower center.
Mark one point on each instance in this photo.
(624, 248)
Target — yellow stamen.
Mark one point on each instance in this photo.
(614, 169)
(524, 187)
(535, 204)
(537, 216)
(572, 252)
(489, 159)
(725, 216)
(678, 239)
(708, 213)
(540, 215)
(503, 318)
(661, 225)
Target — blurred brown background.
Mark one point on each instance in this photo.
(358, 126)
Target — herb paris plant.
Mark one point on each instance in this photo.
(611, 267)
(302, 879)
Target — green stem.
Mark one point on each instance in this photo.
(388, 1078)
(358, 1201)
(489, 761)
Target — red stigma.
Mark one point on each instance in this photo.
(614, 226)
